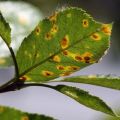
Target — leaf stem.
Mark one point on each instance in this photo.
(16, 69)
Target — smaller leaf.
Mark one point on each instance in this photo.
(98, 80)
(5, 30)
(85, 98)
(7, 113)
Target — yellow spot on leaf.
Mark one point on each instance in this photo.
(25, 118)
(65, 42)
(24, 78)
(85, 23)
(78, 57)
(66, 74)
(95, 36)
(56, 58)
(2, 61)
(53, 17)
(106, 29)
(48, 36)
(72, 68)
(54, 29)
(37, 30)
(65, 52)
(60, 67)
(47, 73)
(87, 57)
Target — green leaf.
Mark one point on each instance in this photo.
(99, 80)
(5, 30)
(62, 44)
(7, 113)
(85, 98)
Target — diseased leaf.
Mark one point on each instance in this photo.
(85, 98)
(61, 44)
(99, 80)
(7, 113)
(5, 31)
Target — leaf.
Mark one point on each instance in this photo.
(99, 80)
(5, 30)
(7, 113)
(62, 44)
(85, 98)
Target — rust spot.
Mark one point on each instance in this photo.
(78, 58)
(47, 73)
(95, 36)
(65, 42)
(60, 67)
(106, 29)
(53, 17)
(54, 29)
(24, 78)
(56, 58)
(65, 52)
(87, 57)
(85, 23)
(37, 30)
(48, 36)
(66, 74)
(73, 67)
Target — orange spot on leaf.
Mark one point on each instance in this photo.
(95, 36)
(65, 42)
(106, 29)
(85, 23)
(56, 58)
(47, 73)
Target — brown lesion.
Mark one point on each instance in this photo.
(60, 67)
(65, 52)
(65, 42)
(106, 29)
(85, 23)
(87, 57)
(78, 58)
(66, 74)
(73, 67)
(37, 30)
(54, 29)
(95, 36)
(47, 73)
(56, 58)
(53, 17)
(24, 78)
(48, 36)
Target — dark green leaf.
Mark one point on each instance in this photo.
(7, 113)
(5, 31)
(85, 98)
(99, 80)
(64, 43)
